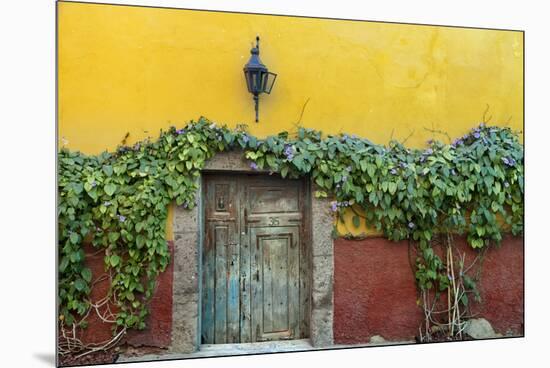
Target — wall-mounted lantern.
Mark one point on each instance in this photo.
(258, 78)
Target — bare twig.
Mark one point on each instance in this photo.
(297, 124)
(436, 131)
(407, 138)
(485, 119)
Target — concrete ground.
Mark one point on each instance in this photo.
(217, 350)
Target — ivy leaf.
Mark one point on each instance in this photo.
(270, 160)
(319, 180)
(74, 238)
(371, 169)
(356, 221)
(114, 260)
(284, 171)
(86, 274)
(113, 236)
(79, 284)
(77, 188)
(108, 170)
(63, 264)
(140, 241)
(110, 189)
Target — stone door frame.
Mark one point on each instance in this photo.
(188, 243)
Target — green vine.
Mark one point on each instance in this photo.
(118, 201)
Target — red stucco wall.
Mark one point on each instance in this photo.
(375, 292)
(159, 322)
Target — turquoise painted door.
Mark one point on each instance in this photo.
(255, 285)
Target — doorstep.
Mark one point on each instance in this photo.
(220, 350)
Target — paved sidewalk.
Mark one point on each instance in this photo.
(216, 350)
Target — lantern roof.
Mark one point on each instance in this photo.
(254, 63)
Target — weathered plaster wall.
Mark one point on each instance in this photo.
(375, 292)
(138, 70)
(186, 292)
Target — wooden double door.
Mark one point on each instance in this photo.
(255, 284)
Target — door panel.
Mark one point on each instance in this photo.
(220, 309)
(275, 287)
(254, 260)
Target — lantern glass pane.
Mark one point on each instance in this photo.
(263, 80)
(255, 81)
(248, 81)
(269, 82)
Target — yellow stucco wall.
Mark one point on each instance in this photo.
(135, 69)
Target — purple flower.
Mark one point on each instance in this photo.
(422, 158)
(253, 166)
(345, 137)
(353, 136)
(180, 131)
(411, 225)
(403, 165)
(428, 152)
(477, 135)
(185, 204)
(245, 138)
(93, 183)
(137, 146)
(482, 125)
(289, 152)
(121, 218)
(505, 160)
(506, 184)
(334, 206)
(457, 142)
(430, 141)
(393, 171)
(348, 169)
